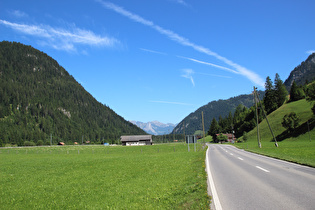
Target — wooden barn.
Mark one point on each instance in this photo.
(136, 140)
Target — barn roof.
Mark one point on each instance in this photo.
(136, 138)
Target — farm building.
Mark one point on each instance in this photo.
(230, 137)
(136, 140)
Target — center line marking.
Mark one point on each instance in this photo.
(231, 154)
(262, 169)
(240, 158)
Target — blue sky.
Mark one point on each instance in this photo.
(163, 59)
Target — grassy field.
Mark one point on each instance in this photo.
(163, 176)
(299, 148)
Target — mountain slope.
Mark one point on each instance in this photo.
(214, 109)
(302, 73)
(155, 127)
(39, 98)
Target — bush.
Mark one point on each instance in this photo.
(245, 136)
(29, 143)
(291, 121)
(40, 143)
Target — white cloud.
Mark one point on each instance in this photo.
(253, 77)
(169, 102)
(62, 39)
(188, 74)
(310, 52)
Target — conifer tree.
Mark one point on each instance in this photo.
(280, 91)
(269, 98)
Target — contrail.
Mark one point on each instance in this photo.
(252, 76)
(210, 64)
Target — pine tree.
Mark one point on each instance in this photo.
(214, 128)
(269, 98)
(280, 91)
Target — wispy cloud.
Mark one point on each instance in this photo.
(153, 51)
(310, 52)
(214, 75)
(169, 102)
(182, 2)
(62, 39)
(252, 76)
(18, 13)
(188, 74)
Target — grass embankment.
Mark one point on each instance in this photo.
(97, 177)
(295, 147)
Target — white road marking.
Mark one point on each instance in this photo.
(262, 169)
(215, 196)
(240, 158)
(231, 154)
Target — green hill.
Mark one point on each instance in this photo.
(214, 109)
(297, 146)
(39, 99)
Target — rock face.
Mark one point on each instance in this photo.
(155, 127)
(302, 73)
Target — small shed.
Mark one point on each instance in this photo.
(136, 140)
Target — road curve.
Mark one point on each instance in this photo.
(244, 180)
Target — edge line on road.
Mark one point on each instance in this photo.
(215, 197)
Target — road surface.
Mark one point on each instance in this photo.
(243, 180)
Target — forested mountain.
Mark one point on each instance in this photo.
(39, 99)
(302, 73)
(214, 109)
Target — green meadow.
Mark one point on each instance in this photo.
(164, 176)
(298, 146)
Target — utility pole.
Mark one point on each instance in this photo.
(274, 138)
(203, 128)
(184, 132)
(258, 137)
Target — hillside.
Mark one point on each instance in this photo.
(302, 73)
(214, 109)
(297, 146)
(302, 108)
(40, 99)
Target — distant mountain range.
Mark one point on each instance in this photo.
(155, 127)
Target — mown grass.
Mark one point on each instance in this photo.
(97, 177)
(298, 146)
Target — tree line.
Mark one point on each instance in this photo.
(244, 119)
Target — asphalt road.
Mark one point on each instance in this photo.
(244, 180)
